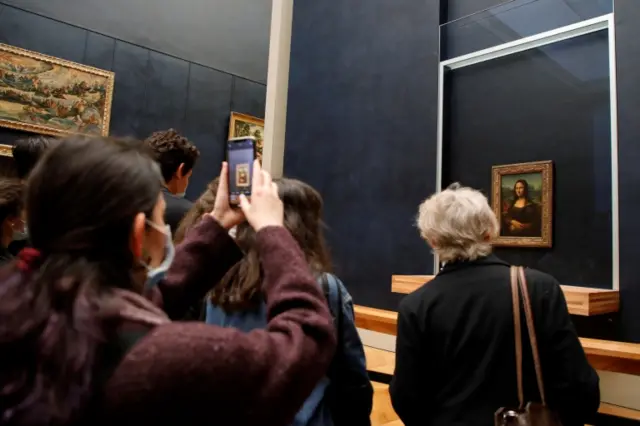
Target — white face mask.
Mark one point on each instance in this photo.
(157, 274)
(20, 234)
(233, 231)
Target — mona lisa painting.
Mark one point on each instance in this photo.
(522, 199)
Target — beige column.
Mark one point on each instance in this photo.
(277, 86)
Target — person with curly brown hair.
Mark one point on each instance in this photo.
(176, 156)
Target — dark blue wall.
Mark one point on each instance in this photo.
(361, 127)
(153, 91)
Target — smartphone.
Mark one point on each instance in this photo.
(240, 155)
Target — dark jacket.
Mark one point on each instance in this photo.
(5, 255)
(186, 373)
(176, 209)
(349, 364)
(455, 355)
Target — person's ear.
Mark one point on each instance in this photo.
(137, 235)
(180, 171)
(432, 243)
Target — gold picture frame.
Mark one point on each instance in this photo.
(522, 200)
(52, 96)
(247, 125)
(6, 150)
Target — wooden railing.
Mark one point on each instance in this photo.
(604, 355)
(584, 301)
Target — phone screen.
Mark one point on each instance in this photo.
(240, 156)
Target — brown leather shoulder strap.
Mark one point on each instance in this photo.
(518, 332)
(532, 331)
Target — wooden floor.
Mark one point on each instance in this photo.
(382, 362)
(383, 414)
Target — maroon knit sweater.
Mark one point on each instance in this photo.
(197, 374)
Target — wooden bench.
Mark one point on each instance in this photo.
(604, 355)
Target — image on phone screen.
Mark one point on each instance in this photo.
(240, 156)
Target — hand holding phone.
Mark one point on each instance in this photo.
(222, 212)
(265, 208)
(241, 153)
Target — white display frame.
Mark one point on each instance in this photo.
(604, 22)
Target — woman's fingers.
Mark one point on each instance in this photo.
(223, 182)
(266, 179)
(256, 181)
(245, 205)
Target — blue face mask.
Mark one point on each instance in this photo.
(155, 275)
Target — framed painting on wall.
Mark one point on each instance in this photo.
(522, 199)
(7, 164)
(6, 150)
(246, 125)
(51, 96)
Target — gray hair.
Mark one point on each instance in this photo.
(458, 223)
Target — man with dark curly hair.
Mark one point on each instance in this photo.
(176, 157)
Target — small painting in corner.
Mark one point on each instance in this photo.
(47, 95)
(246, 125)
(522, 199)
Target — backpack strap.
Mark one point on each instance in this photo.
(333, 294)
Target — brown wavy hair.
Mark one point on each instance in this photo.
(241, 288)
(194, 215)
(52, 322)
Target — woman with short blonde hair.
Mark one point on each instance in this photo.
(455, 346)
(458, 223)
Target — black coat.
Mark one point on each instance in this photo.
(176, 209)
(5, 255)
(455, 355)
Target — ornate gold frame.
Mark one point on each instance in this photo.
(544, 167)
(243, 117)
(249, 119)
(6, 151)
(46, 130)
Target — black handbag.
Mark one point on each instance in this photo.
(531, 413)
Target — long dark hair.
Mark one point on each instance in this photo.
(11, 201)
(194, 215)
(240, 288)
(82, 199)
